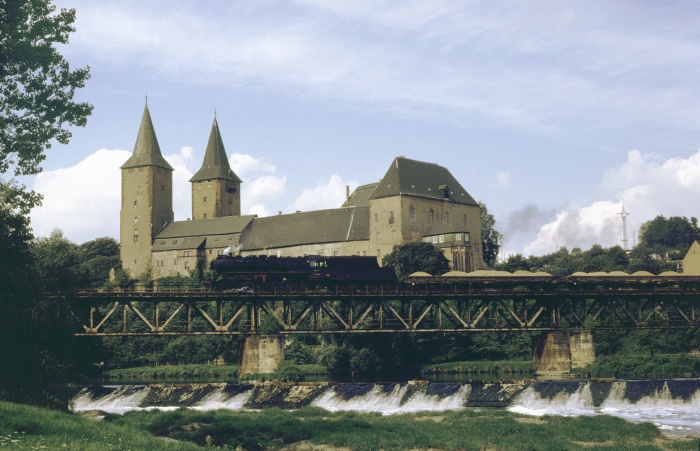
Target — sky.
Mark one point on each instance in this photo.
(555, 114)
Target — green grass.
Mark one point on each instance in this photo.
(193, 371)
(25, 427)
(469, 430)
(510, 367)
(643, 366)
(202, 372)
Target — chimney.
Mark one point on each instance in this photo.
(347, 193)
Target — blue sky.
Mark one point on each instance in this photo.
(553, 113)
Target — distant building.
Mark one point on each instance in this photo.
(691, 261)
(414, 201)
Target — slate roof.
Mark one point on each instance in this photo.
(215, 164)
(416, 178)
(441, 229)
(206, 227)
(321, 226)
(146, 149)
(178, 243)
(361, 195)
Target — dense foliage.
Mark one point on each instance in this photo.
(490, 237)
(37, 87)
(416, 256)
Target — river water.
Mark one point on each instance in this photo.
(673, 404)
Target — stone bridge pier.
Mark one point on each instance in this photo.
(556, 353)
(261, 354)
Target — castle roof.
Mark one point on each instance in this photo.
(361, 195)
(416, 178)
(215, 165)
(205, 227)
(313, 227)
(146, 149)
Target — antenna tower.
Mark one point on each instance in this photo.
(624, 215)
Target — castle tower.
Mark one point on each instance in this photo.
(147, 199)
(215, 187)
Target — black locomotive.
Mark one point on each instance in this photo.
(237, 271)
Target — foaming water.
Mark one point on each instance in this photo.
(220, 399)
(673, 415)
(119, 399)
(377, 399)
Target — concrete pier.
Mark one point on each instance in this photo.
(555, 353)
(261, 354)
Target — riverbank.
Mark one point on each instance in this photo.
(499, 367)
(24, 427)
(642, 366)
(208, 373)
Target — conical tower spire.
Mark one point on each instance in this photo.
(146, 149)
(215, 165)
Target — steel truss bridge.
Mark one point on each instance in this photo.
(421, 305)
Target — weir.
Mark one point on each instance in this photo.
(674, 405)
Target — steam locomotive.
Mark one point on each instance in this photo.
(236, 271)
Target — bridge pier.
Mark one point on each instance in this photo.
(555, 353)
(260, 354)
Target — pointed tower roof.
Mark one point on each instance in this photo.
(146, 149)
(215, 165)
(416, 178)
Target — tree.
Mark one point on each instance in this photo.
(57, 261)
(416, 256)
(36, 91)
(490, 237)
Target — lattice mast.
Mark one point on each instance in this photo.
(624, 215)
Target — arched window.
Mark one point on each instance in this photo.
(391, 217)
(446, 217)
(431, 216)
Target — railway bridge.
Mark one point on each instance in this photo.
(563, 312)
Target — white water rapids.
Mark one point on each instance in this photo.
(652, 402)
(672, 415)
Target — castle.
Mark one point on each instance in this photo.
(413, 201)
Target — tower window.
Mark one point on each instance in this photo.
(412, 213)
(162, 188)
(205, 200)
(431, 216)
(391, 217)
(199, 185)
(204, 216)
(464, 219)
(376, 217)
(136, 203)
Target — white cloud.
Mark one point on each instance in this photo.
(645, 187)
(247, 167)
(330, 194)
(82, 200)
(503, 178)
(182, 188)
(259, 190)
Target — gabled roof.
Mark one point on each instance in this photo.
(146, 149)
(416, 178)
(215, 165)
(322, 226)
(170, 244)
(226, 225)
(360, 197)
(441, 229)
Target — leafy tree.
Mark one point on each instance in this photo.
(98, 257)
(490, 237)
(37, 87)
(57, 261)
(416, 256)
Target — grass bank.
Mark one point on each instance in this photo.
(191, 371)
(204, 372)
(643, 366)
(509, 367)
(25, 427)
